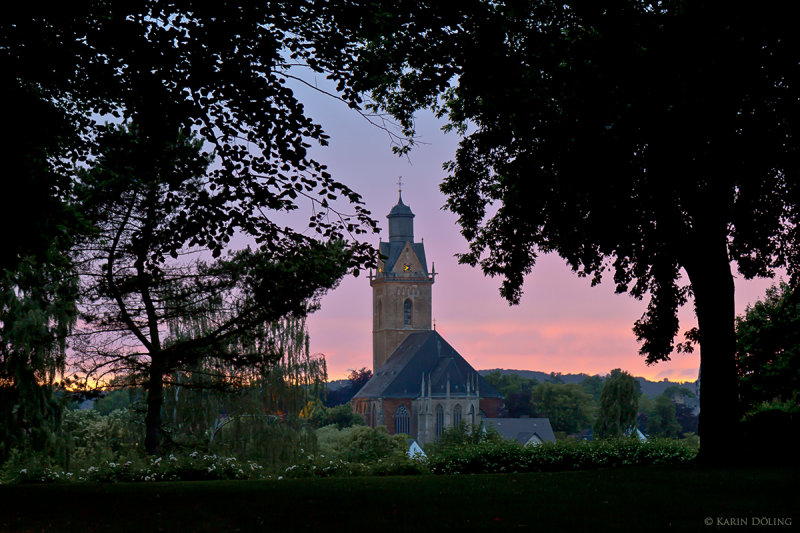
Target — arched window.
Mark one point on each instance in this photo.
(471, 414)
(407, 312)
(402, 420)
(439, 421)
(380, 314)
(456, 416)
(368, 416)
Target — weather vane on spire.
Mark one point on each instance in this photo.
(400, 184)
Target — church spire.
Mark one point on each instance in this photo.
(401, 221)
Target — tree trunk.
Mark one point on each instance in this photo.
(712, 283)
(155, 398)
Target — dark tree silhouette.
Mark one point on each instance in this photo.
(169, 71)
(768, 349)
(645, 139)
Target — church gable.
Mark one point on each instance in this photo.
(407, 263)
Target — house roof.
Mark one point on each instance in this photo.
(425, 354)
(522, 429)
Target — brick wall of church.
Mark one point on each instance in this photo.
(390, 405)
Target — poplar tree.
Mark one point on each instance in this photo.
(619, 403)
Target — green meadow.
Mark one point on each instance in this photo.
(645, 498)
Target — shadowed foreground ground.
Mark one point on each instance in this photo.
(628, 499)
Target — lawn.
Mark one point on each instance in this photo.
(625, 499)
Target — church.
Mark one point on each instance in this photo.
(420, 385)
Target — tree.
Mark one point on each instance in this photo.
(593, 385)
(342, 416)
(358, 378)
(355, 380)
(568, 406)
(516, 391)
(768, 349)
(662, 421)
(646, 139)
(37, 310)
(618, 405)
(172, 71)
(149, 309)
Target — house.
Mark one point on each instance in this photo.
(526, 431)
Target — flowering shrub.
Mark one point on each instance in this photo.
(509, 456)
(323, 465)
(191, 467)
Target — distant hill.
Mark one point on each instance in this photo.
(337, 384)
(650, 388)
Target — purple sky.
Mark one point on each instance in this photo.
(562, 324)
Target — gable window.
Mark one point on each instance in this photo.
(401, 420)
(456, 416)
(471, 414)
(439, 421)
(407, 312)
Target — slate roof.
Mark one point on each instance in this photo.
(522, 429)
(425, 353)
(392, 250)
(401, 208)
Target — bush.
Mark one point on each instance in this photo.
(360, 444)
(342, 416)
(93, 438)
(510, 456)
(191, 467)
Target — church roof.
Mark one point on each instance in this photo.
(424, 353)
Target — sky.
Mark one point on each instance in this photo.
(562, 324)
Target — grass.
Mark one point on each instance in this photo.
(625, 499)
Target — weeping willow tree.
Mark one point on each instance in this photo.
(37, 311)
(250, 411)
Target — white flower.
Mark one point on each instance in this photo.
(172, 458)
(194, 454)
(156, 461)
(23, 471)
(280, 478)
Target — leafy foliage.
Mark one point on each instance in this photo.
(663, 421)
(637, 138)
(618, 405)
(164, 74)
(341, 416)
(355, 380)
(569, 408)
(510, 456)
(768, 348)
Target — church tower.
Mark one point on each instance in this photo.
(401, 288)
